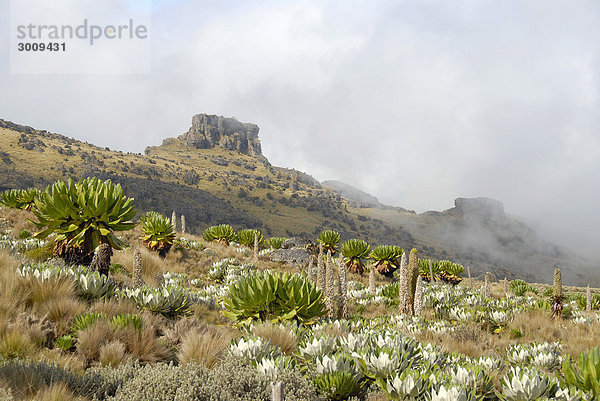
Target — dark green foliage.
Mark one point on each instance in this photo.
(24, 234)
(246, 237)
(274, 296)
(123, 320)
(520, 287)
(339, 385)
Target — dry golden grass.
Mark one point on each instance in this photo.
(90, 340)
(69, 361)
(143, 344)
(277, 335)
(113, 354)
(208, 315)
(19, 221)
(14, 344)
(39, 292)
(111, 307)
(56, 392)
(61, 311)
(205, 348)
(39, 330)
(152, 264)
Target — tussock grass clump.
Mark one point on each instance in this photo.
(203, 348)
(278, 335)
(43, 291)
(14, 344)
(112, 354)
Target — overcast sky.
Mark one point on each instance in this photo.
(416, 102)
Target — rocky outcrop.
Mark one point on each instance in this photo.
(209, 131)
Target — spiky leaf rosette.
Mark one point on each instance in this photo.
(353, 250)
(386, 258)
(246, 237)
(23, 199)
(158, 233)
(274, 242)
(274, 296)
(83, 215)
(329, 239)
(222, 233)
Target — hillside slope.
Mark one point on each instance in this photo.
(216, 173)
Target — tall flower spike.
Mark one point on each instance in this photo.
(557, 294)
(256, 246)
(419, 296)
(372, 280)
(343, 302)
(486, 285)
(321, 270)
(311, 270)
(403, 293)
(505, 288)
(588, 298)
(413, 273)
(174, 221)
(138, 281)
(182, 224)
(330, 283)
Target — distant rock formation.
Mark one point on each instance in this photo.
(209, 131)
(356, 197)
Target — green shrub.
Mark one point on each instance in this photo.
(161, 382)
(24, 234)
(520, 287)
(83, 215)
(246, 237)
(41, 254)
(274, 296)
(222, 233)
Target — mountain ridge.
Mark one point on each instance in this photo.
(225, 180)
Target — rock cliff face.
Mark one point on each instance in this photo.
(208, 131)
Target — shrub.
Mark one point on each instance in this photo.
(222, 233)
(204, 349)
(123, 320)
(83, 214)
(65, 343)
(158, 233)
(169, 301)
(274, 296)
(15, 345)
(82, 322)
(23, 234)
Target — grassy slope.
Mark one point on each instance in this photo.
(274, 200)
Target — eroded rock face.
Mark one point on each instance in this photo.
(208, 131)
(294, 256)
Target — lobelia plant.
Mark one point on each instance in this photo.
(83, 215)
(586, 375)
(158, 233)
(22, 199)
(274, 242)
(353, 250)
(274, 296)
